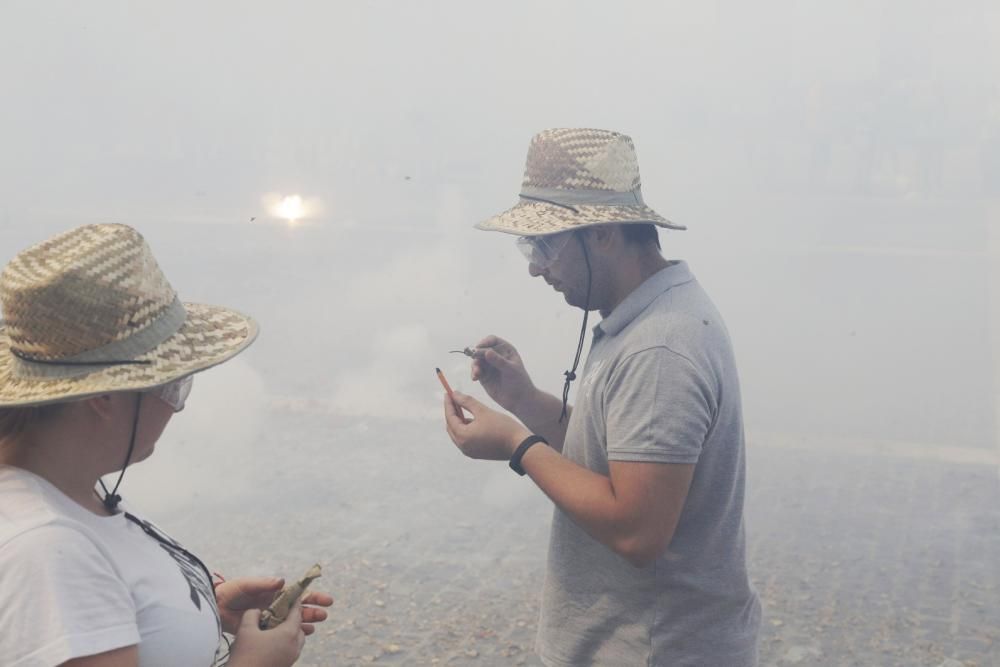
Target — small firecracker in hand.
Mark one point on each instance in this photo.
(277, 612)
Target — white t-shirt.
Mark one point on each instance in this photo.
(73, 584)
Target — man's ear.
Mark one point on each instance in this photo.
(102, 406)
(602, 235)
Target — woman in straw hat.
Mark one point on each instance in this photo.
(96, 355)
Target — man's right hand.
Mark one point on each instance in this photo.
(498, 368)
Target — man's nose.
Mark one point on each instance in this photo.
(534, 271)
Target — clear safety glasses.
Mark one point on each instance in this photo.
(175, 393)
(542, 251)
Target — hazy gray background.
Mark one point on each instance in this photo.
(838, 166)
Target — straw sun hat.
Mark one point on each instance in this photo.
(577, 178)
(89, 312)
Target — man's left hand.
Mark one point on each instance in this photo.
(236, 596)
(488, 435)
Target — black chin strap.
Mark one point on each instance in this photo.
(111, 498)
(571, 374)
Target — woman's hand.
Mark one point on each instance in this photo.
(236, 596)
(278, 647)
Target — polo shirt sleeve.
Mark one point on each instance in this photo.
(658, 408)
(62, 599)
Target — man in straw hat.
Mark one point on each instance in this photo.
(647, 552)
(96, 355)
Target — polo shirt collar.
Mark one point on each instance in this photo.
(677, 273)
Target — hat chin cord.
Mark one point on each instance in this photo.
(111, 498)
(571, 374)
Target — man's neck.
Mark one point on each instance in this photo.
(631, 274)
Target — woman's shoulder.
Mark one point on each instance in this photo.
(25, 503)
(61, 596)
(43, 539)
(57, 561)
(60, 559)
(32, 513)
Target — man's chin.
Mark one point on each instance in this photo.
(568, 297)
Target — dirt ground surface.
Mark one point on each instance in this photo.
(861, 558)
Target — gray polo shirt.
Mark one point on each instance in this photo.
(659, 385)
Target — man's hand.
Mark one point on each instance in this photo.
(236, 596)
(498, 368)
(488, 435)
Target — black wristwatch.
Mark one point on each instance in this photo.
(515, 460)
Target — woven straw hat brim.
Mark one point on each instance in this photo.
(209, 336)
(530, 218)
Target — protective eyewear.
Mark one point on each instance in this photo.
(542, 251)
(175, 393)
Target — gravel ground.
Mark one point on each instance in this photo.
(859, 558)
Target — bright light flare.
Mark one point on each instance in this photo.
(290, 208)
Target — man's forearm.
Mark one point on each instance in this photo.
(540, 413)
(588, 498)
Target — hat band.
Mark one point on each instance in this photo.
(121, 351)
(584, 197)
